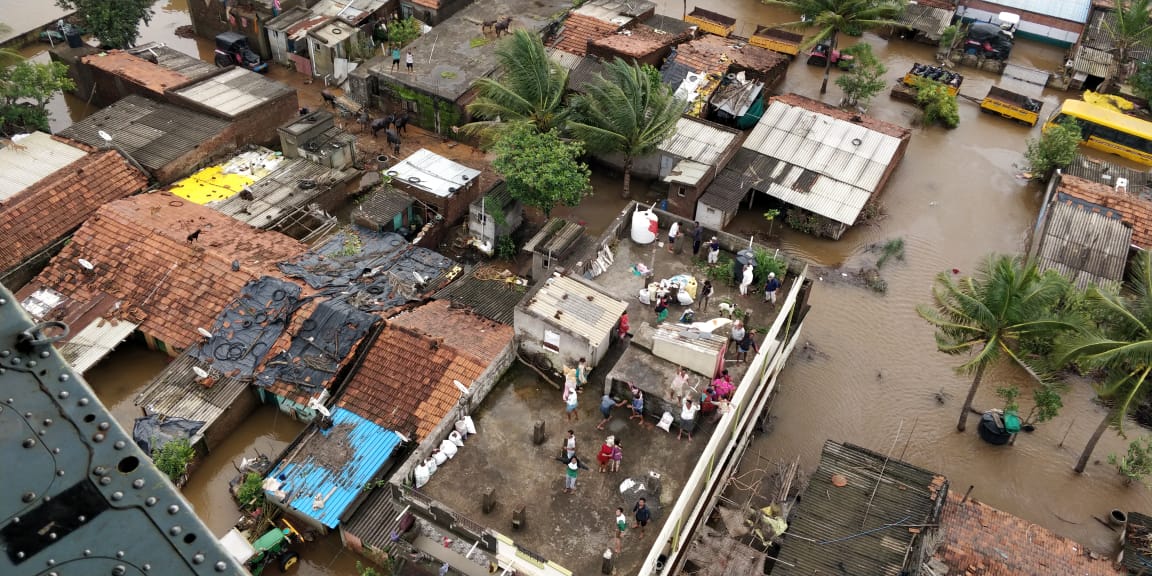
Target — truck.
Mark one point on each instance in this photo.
(232, 50)
(819, 57)
(1012, 105)
(274, 547)
(951, 80)
(777, 40)
(711, 22)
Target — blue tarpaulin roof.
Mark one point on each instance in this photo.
(331, 467)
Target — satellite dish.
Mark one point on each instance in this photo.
(463, 389)
(86, 264)
(105, 136)
(204, 332)
(200, 372)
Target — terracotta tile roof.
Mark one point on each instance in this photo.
(712, 54)
(137, 70)
(640, 42)
(979, 540)
(48, 210)
(142, 257)
(1135, 211)
(580, 29)
(869, 122)
(405, 382)
(470, 333)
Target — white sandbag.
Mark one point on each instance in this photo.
(456, 438)
(434, 462)
(422, 475)
(683, 297)
(665, 422)
(462, 427)
(644, 298)
(448, 449)
(470, 424)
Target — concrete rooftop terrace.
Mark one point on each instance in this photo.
(572, 530)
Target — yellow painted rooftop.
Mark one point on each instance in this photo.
(225, 180)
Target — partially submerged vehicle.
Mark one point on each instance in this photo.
(819, 57)
(1012, 105)
(777, 40)
(232, 50)
(274, 547)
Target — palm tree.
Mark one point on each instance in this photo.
(1131, 30)
(8, 56)
(831, 17)
(627, 110)
(531, 88)
(987, 315)
(1120, 344)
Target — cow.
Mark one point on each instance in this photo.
(402, 123)
(394, 140)
(382, 124)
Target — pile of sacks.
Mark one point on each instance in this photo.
(447, 450)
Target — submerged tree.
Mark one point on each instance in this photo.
(626, 110)
(1119, 343)
(34, 81)
(865, 80)
(1055, 148)
(530, 89)
(115, 22)
(541, 169)
(986, 315)
(832, 17)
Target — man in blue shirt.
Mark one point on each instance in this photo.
(770, 288)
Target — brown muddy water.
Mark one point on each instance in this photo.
(871, 366)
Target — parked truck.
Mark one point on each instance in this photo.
(1012, 105)
(711, 22)
(777, 40)
(951, 80)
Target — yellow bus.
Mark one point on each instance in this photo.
(1108, 130)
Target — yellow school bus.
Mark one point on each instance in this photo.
(1108, 130)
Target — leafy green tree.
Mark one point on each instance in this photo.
(1055, 148)
(830, 18)
(173, 457)
(938, 104)
(402, 32)
(530, 89)
(1117, 342)
(625, 110)
(1141, 81)
(33, 81)
(115, 22)
(1136, 464)
(541, 169)
(865, 80)
(986, 315)
(1131, 30)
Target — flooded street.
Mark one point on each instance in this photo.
(871, 367)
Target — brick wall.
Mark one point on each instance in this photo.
(200, 157)
(257, 126)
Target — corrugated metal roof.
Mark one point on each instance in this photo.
(235, 92)
(31, 160)
(687, 172)
(584, 73)
(333, 33)
(172, 59)
(375, 521)
(1093, 62)
(686, 336)
(331, 467)
(1087, 243)
(695, 139)
(493, 299)
(746, 170)
(555, 238)
(432, 173)
(582, 309)
(152, 133)
(927, 19)
(177, 392)
(828, 166)
(1107, 173)
(1073, 10)
(861, 527)
(94, 342)
(279, 194)
(567, 60)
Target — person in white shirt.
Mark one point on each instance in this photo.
(746, 280)
(679, 384)
(673, 232)
(688, 412)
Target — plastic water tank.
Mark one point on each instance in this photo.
(642, 226)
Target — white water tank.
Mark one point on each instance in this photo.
(642, 226)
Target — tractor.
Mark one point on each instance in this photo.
(232, 50)
(274, 547)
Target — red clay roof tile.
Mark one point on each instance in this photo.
(640, 41)
(1136, 211)
(979, 540)
(580, 29)
(47, 211)
(712, 54)
(137, 70)
(143, 259)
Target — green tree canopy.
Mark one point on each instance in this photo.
(540, 168)
(530, 89)
(832, 17)
(939, 105)
(1118, 343)
(34, 81)
(1130, 28)
(625, 110)
(865, 80)
(1055, 148)
(404, 31)
(986, 315)
(115, 22)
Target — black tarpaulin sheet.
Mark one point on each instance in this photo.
(155, 431)
(320, 347)
(246, 330)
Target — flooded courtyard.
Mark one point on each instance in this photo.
(871, 366)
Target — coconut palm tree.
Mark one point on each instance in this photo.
(530, 89)
(625, 109)
(1131, 30)
(986, 315)
(1120, 344)
(831, 17)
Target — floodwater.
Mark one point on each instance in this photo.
(871, 373)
